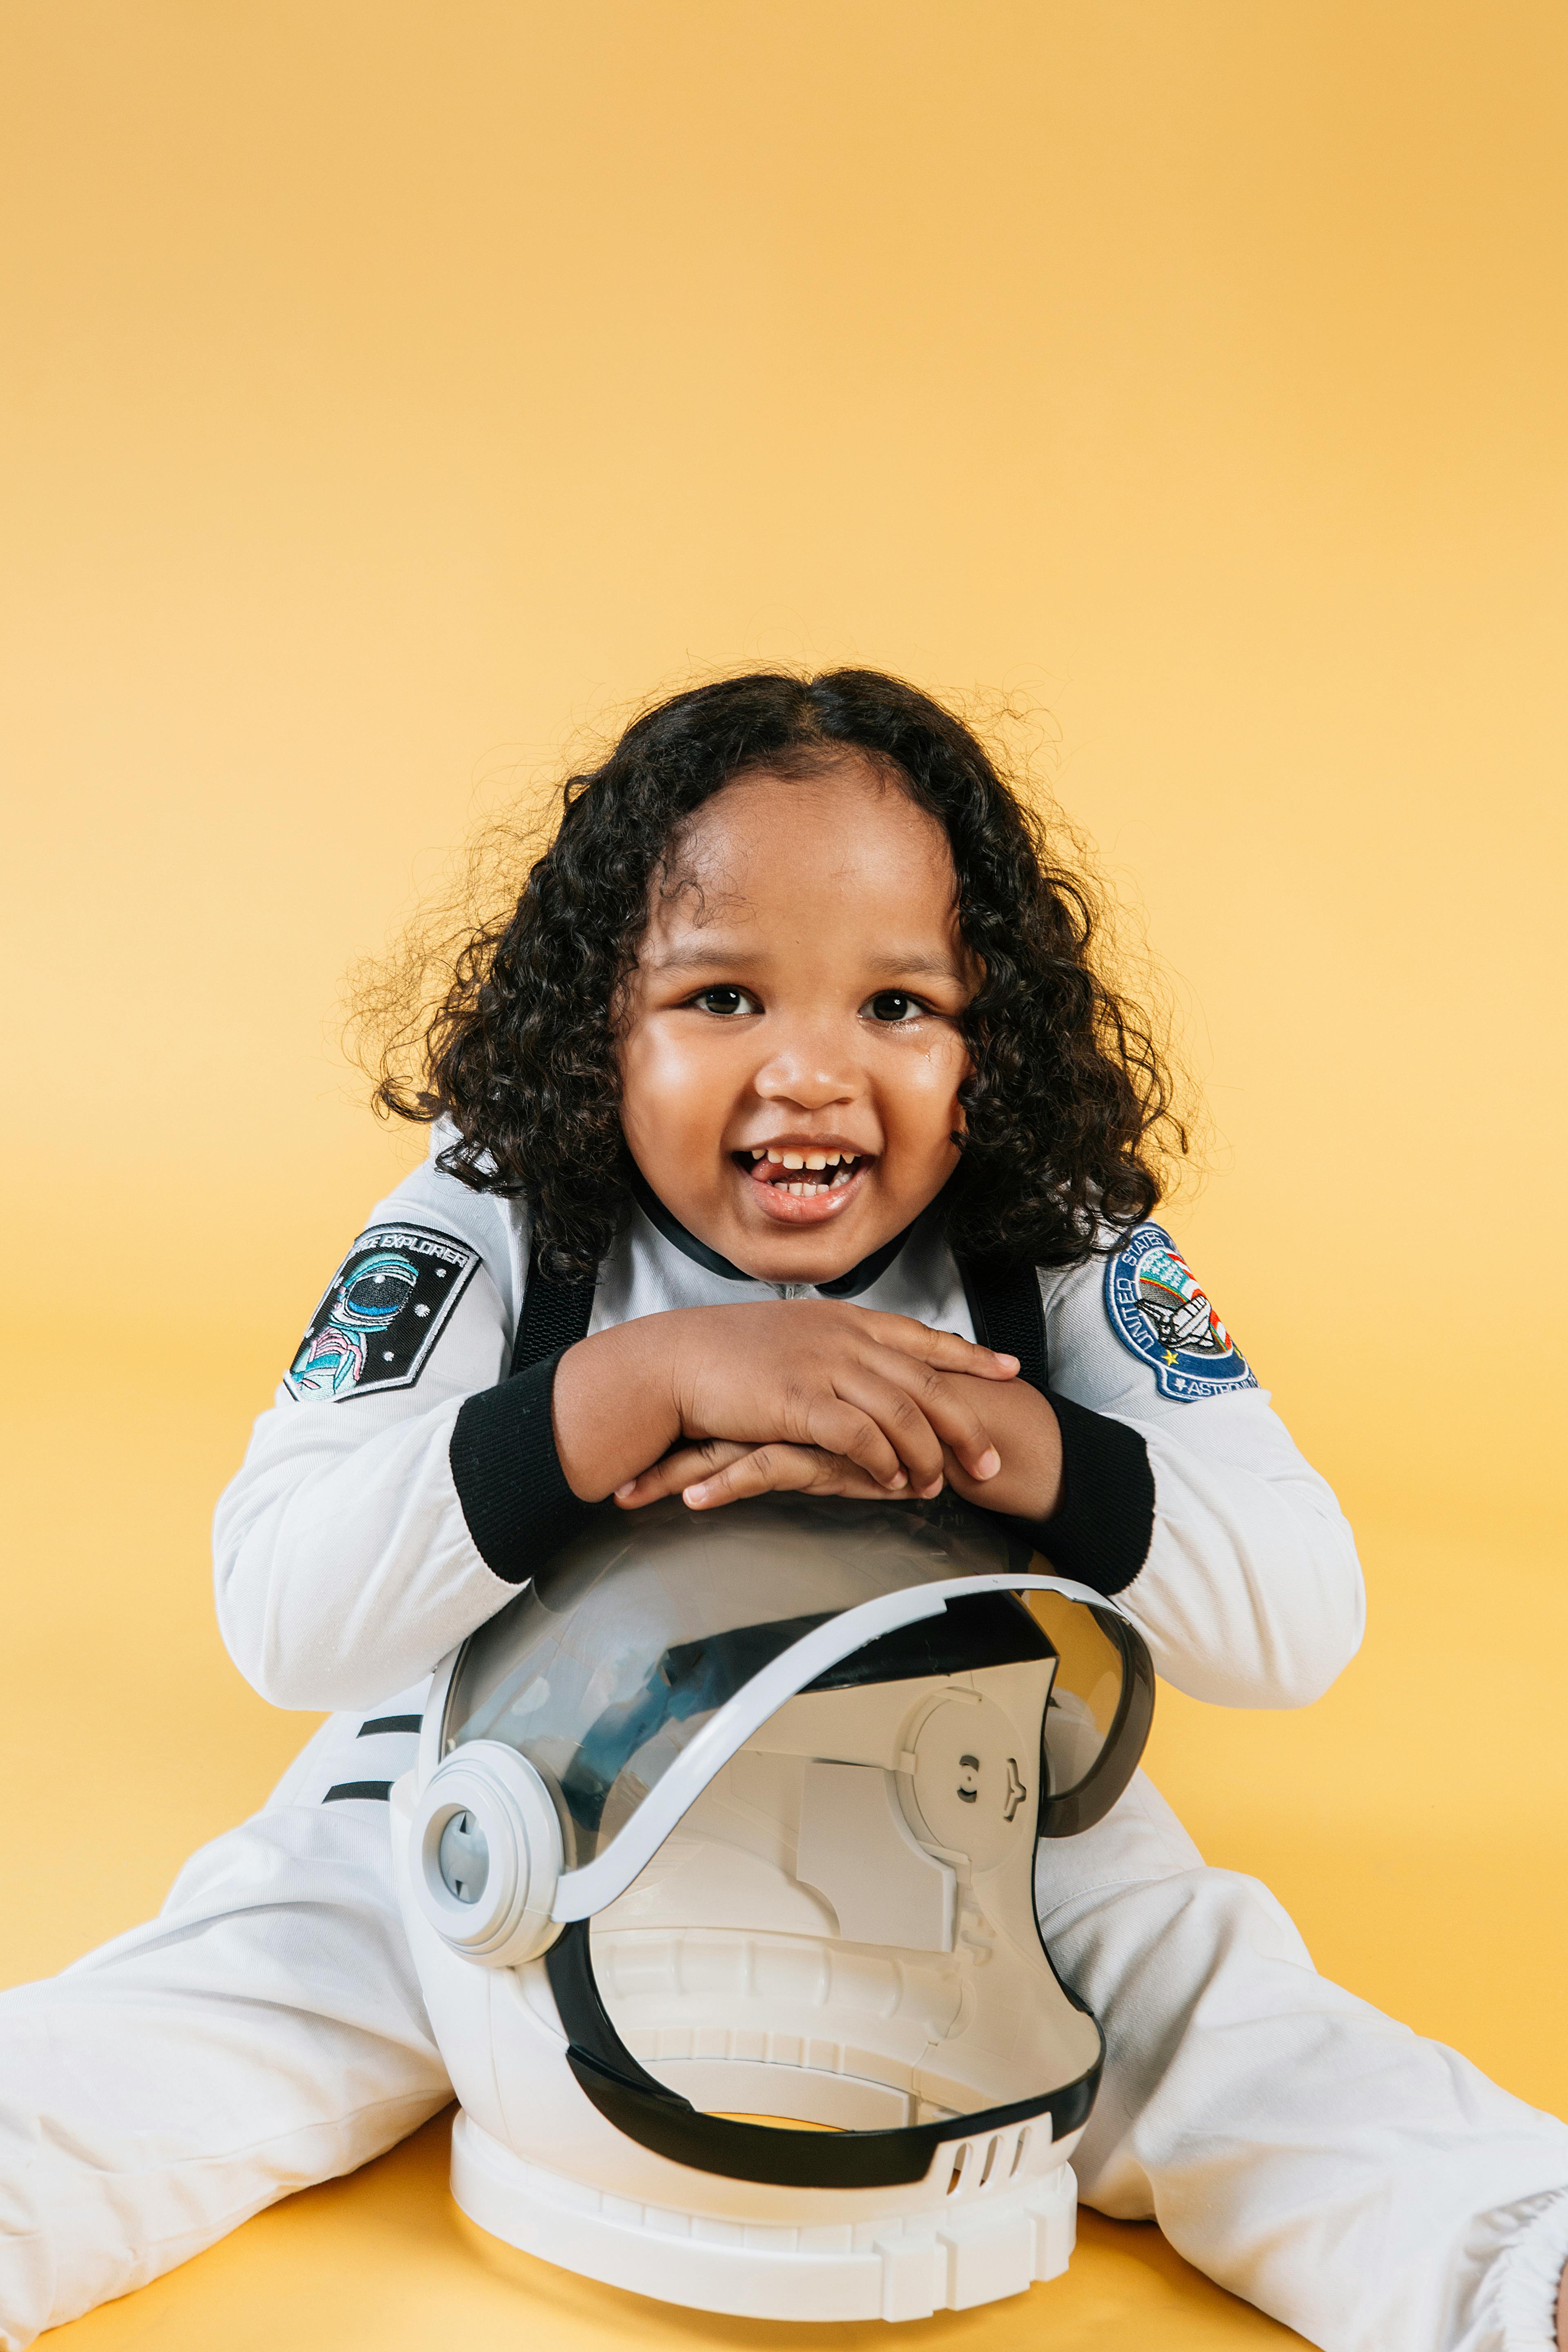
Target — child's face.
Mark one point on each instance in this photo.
(797, 992)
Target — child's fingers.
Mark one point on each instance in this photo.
(872, 1423)
(923, 1411)
(785, 1469)
(944, 1350)
(677, 1471)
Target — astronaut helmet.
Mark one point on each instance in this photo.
(718, 1867)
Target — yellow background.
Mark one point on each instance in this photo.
(393, 392)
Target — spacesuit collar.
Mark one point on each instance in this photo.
(847, 1286)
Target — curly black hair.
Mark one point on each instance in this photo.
(1069, 1110)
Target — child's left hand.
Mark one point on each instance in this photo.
(1022, 1426)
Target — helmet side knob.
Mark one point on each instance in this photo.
(486, 1854)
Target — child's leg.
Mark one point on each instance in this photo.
(1372, 2190)
(264, 2032)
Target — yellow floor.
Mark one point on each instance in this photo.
(1403, 1820)
(384, 2260)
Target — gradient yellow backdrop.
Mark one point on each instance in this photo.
(393, 392)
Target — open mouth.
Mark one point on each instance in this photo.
(805, 1174)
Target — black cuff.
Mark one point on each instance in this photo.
(509, 1478)
(1100, 1531)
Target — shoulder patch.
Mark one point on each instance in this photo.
(1156, 1309)
(382, 1314)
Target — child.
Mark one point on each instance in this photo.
(794, 1006)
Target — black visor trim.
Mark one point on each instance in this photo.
(976, 1629)
(1066, 1812)
(658, 2119)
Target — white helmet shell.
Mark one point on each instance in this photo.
(727, 1823)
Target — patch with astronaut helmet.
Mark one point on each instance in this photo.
(1158, 1310)
(382, 1313)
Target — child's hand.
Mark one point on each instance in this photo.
(1021, 1421)
(876, 1393)
(723, 1469)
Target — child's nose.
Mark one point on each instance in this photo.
(807, 1071)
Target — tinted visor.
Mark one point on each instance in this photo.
(1098, 1713)
(660, 1630)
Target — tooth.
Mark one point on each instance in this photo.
(832, 1158)
(761, 1152)
(794, 1160)
(817, 1158)
(775, 1156)
(796, 1188)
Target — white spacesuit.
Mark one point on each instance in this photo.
(268, 2030)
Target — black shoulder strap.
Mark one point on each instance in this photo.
(555, 1315)
(1005, 1308)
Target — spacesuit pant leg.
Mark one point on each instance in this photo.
(266, 2031)
(1372, 2190)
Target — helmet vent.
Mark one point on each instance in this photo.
(967, 2152)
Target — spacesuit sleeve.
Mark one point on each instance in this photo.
(1246, 1586)
(345, 1563)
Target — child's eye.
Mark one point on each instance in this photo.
(892, 1005)
(725, 1000)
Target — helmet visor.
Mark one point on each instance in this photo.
(657, 1641)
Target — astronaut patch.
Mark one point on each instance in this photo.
(383, 1313)
(1157, 1309)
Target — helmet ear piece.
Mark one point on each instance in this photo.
(485, 1854)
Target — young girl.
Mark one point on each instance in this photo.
(794, 1008)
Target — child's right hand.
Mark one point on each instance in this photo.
(845, 1380)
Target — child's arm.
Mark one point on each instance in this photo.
(344, 1566)
(1199, 1515)
(813, 1377)
(1249, 1592)
(402, 1487)
(1017, 1424)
